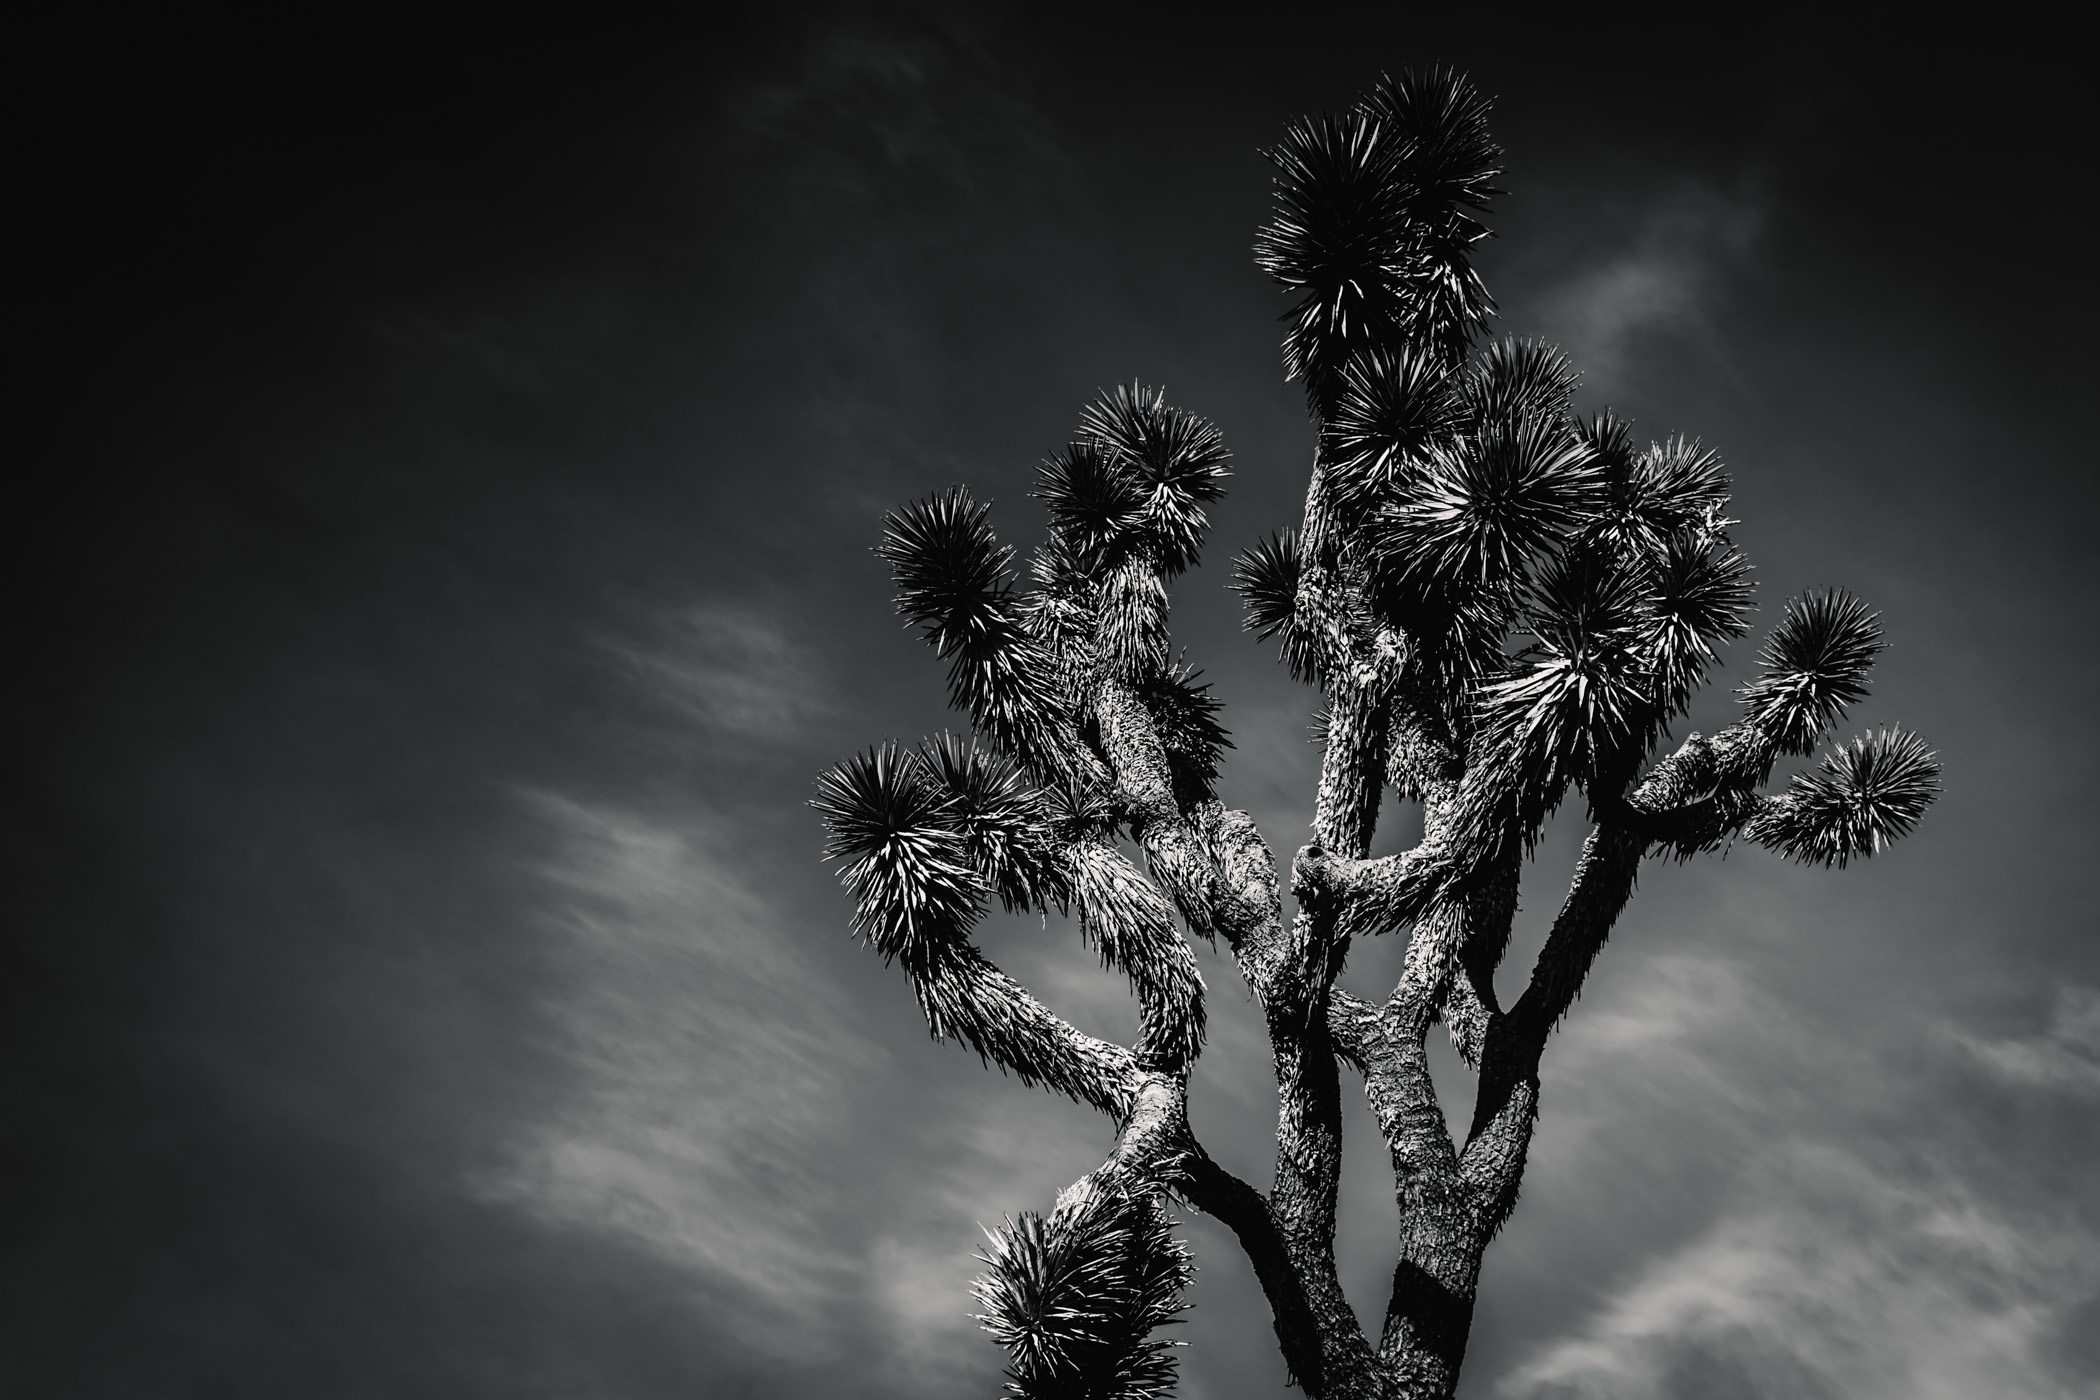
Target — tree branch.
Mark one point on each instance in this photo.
(1224, 1197)
(964, 996)
(1144, 783)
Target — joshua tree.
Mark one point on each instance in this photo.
(1502, 604)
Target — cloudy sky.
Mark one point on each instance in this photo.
(458, 449)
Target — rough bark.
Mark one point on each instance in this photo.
(1500, 606)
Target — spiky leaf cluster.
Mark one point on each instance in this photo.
(954, 580)
(1394, 407)
(1816, 664)
(1480, 509)
(1699, 596)
(1126, 514)
(1266, 576)
(1074, 1298)
(1003, 823)
(906, 850)
(1371, 227)
(1512, 381)
(1672, 489)
(1863, 796)
(1577, 698)
(1173, 461)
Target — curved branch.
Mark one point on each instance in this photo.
(965, 997)
(1224, 1197)
(1145, 784)
(1370, 897)
(1132, 925)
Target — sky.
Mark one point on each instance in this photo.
(448, 455)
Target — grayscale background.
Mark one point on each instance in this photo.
(445, 452)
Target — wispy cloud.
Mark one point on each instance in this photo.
(1660, 283)
(1828, 1268)
(709, 1060)
(724, 667)
(1835, 1279)
(2065, 1055)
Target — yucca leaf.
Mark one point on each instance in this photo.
(907, 862)
(1680, 485)
(1516, 379)
(1094, 503)
(1816, 663)
(1581, 692)
(1699, 597)
(1266, 576)
(1438, 121)
(953, 580)
(1863, 796)
(951, 571)
(1337, 238)
(1393, 406)
(1447, 164)
(1074, 1298)
(1004, 826)
(1479, 509)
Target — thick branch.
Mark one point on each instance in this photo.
(1144, 783)
(966, 997)
(1376, 896)
(1470, 1005)
(1699, 794)
(1352, 769)
(1424, 759)
(1218, 1193)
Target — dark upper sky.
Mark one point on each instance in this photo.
(455, 448)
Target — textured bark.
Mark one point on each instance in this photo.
(1501, 608)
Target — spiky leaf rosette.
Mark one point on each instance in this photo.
(1266, 576)
(1456, 627)
(953, 580)
(1680, 485)
(1371, 228)
(1004, 827)
(1580, 695)
(951, 571)
(1438, 120)
(1094, 504)
(1816, 663)
(1448, 163)
(1699, 597)
(1338, 238)
(1075, 1299)
(1673, 488)
(1393, 406)
(1516, 379)
(1864, 795)
(1186, 717)
(907, 859)
(1173, 460)
(1479, 509)
(907, 853)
